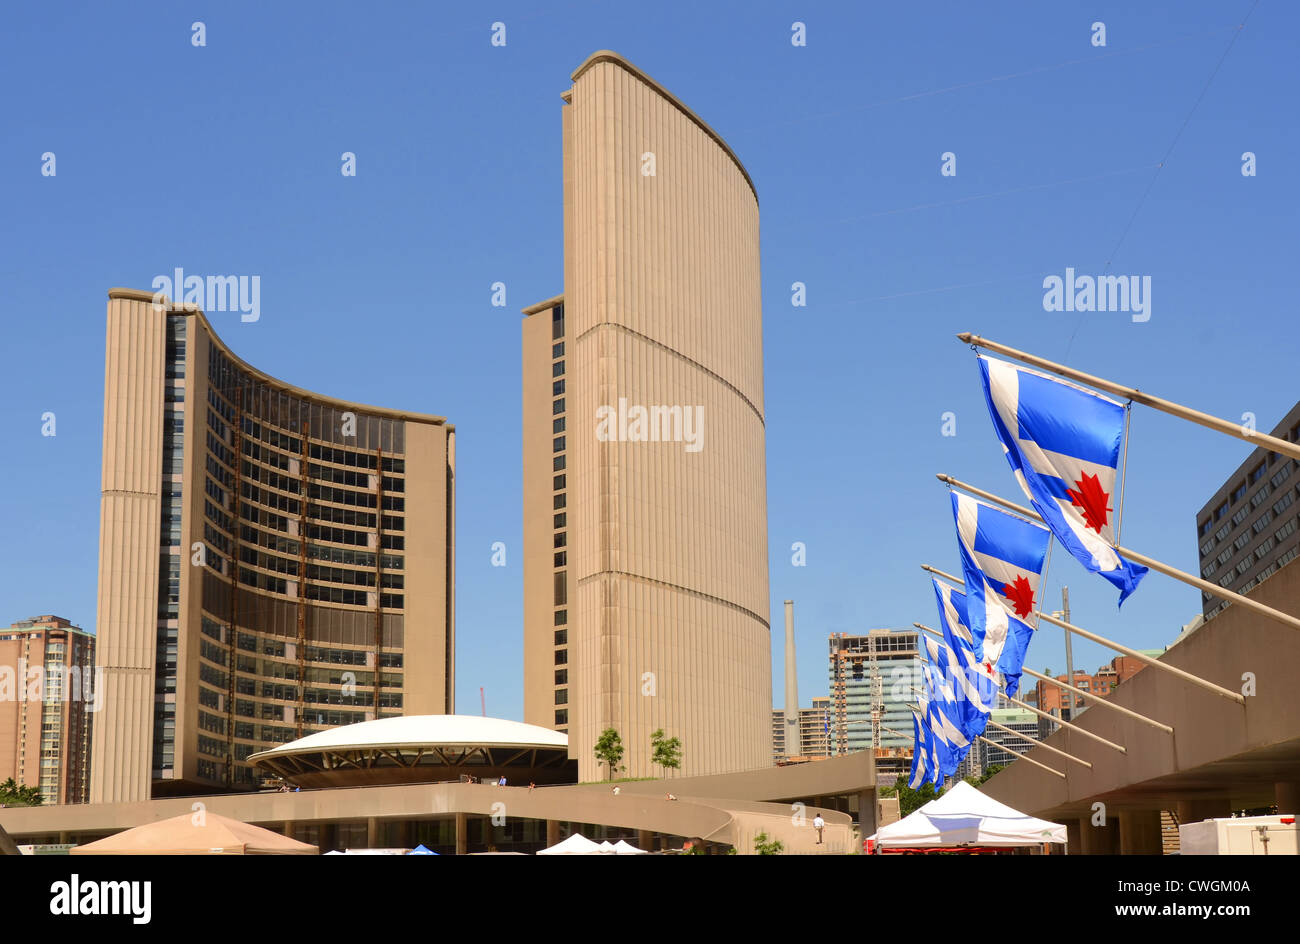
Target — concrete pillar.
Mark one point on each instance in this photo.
(1201, 808)
(1287, 797)
(1139, 832)
(552, 832)
(372, 833)
(1099, 840)
(462, 834)
(644, 840)
(867, 813)
(1074, 836)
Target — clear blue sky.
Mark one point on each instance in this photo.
(225, 160)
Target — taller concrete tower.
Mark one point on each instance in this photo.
(645, 495)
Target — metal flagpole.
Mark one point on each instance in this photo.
(1123, 474)
(1003, 747)
(1097, 702)
(1046, 747)
(1024, 757)
(1137, 396)
(1065, 724)
(1213, 589)
(1119, 647)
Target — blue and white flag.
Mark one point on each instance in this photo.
(949, 745)
(1002, 560)
(920, 752)
(985, 680)
(1063, 442)
(975, 686)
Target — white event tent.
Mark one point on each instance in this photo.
(577, 844)
(965, 817)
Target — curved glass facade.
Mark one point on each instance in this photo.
(298, 536)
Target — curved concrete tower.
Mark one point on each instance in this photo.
(645, 482)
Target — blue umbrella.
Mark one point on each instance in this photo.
(422, 849)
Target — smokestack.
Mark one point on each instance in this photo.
(792, 742)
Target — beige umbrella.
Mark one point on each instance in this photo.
(202, 833)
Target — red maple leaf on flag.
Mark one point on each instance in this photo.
(1092, 500)
(1020, 594)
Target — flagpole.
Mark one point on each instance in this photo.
(1213, 589)
(1003, 747)
(1067, 724)
(1137, 396)
(1098, 702)
(1046, 747)
(1123, 475)
(1024, 757)
(1118, 647)
(1042, 580)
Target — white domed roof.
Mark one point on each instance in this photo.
(425, 730)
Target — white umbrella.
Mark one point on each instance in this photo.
(623, 847)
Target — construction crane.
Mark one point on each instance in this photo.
(877, 701)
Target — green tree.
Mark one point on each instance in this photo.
(976, 781)
(13, 793)
(765, 846)
(909, 800)
(665, 751)
(609, 750)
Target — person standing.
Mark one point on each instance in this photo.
(819, 824)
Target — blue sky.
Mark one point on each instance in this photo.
(225, 159)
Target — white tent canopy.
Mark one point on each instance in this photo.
(965, 817)
(577, 844)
